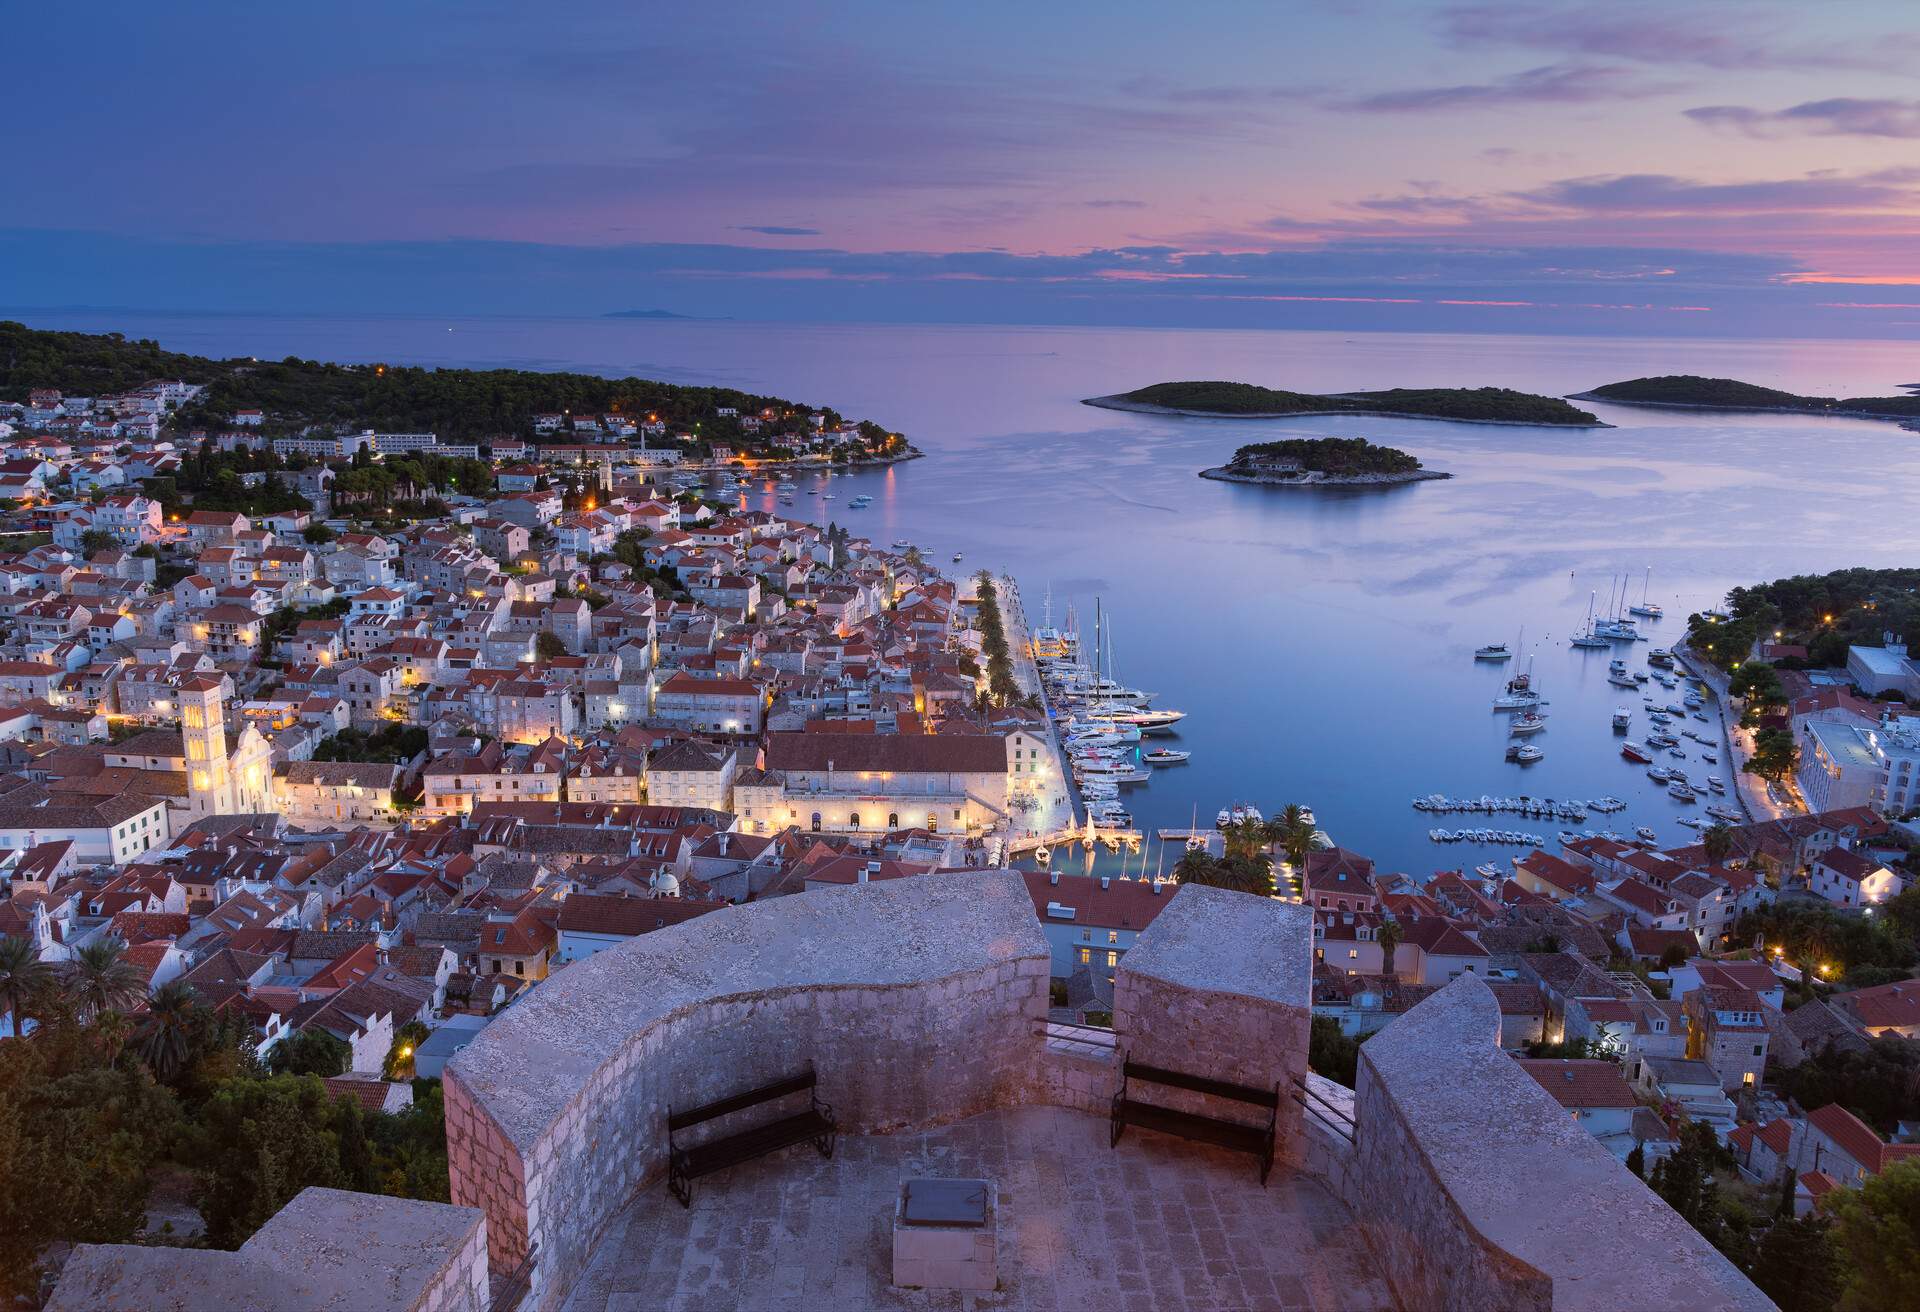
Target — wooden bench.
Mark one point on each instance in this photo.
(686, 1163)
(1254, 1139)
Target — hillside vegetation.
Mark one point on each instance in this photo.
(1732, 394)
(1483, 404)
(1334, 456)
(458, 404)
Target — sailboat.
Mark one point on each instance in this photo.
(1647, 607)
(1587, 637)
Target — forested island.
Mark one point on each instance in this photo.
(460, 405)
(1476, 405)
(1321, 462)
(1691, 392)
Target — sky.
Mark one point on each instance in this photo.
(1747, 168)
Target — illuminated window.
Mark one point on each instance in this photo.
(1086, 956)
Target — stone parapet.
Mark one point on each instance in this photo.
(916, 1002)
(1476, 1191)
(326, 1251)
(1221, 985)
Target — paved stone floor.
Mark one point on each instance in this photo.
(1157, 1225)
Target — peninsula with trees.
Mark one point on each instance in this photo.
(1473, 405)
(292, 396)
(1321, 462)
(1691, 392)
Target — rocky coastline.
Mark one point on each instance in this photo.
(1314, 478)
(1148, 408)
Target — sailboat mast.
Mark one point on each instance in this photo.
(1646, 592)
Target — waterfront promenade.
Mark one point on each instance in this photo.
(1061, 811)
(1752, 792)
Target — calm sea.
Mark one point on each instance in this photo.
(1321, 642)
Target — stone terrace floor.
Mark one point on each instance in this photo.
(1157, 1225)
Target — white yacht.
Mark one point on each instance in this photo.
(1622, 718)
(1494, 651)
(1165, 756)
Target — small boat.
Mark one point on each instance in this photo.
(1043, 854)
(1526, 724)
(1622, 681)
(1660, 656)
(1660, 774)
(1493, 651)
(1717, 785)
(1648, 606)
(1646, 834)
(1679, 791)
(1621, 719)
(957, 556)
(1635, 752)
(1725, 813)
(1164, 756)
(902, 543)
(1524, 753)
(1518, 701)
(1693, 822)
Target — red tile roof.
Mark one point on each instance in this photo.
(1584, 1084)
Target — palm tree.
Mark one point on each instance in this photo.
(1718, 842)
(23, 976)
(1242, 874)
(1195, 866)
(1389, 936)
(100, 978)
(166, 1037)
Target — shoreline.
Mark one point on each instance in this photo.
(1147, 408)
(1314, 478)
(1905, 421)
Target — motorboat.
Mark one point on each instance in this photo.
(1660, 774)
(1680, 791)
(1635, 752)
(958, 556)
(1526, 724)
(1621, 719)
(1622, 681)
(1165, 756)
(1493, 651)
(1518, 701)
(1646, 835)
(1725, 813)
(1149, 720)
(1717, 784)
(1693, 822)
(1524, 753)
(1660, 656)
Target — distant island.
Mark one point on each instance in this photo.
(646, 314)
(1690, 392)
(1474, 405)
(1321, 462)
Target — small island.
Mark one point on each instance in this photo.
(1473, 405)
(1691, 392)
(1321, 462)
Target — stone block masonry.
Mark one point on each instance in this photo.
(1222, 986)
(916, 1002)
(1477, 1192)
(326, 1250)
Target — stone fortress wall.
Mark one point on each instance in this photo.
(921, 1001)
(915, 1001)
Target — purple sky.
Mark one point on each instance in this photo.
(1673, 168)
